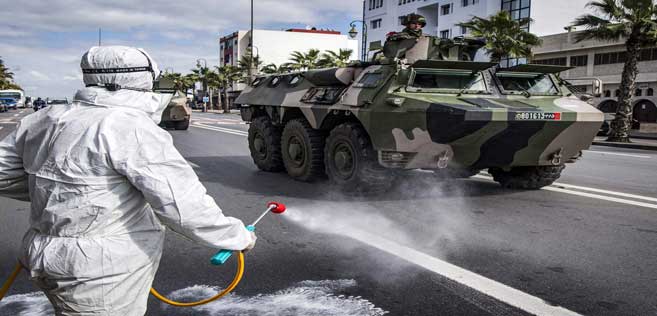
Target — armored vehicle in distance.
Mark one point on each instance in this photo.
(176, 115)
(424, 104)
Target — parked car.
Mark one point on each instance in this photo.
(10, 103)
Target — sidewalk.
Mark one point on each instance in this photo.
(639, 135)
(638, 142)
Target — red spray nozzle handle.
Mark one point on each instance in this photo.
(278, 207)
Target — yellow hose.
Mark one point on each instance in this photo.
(230, 288)
(12, 277)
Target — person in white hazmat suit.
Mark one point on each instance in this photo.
(104, 180)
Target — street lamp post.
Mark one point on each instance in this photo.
(353, 33)
(251, 72)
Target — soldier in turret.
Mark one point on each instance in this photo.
(413, 28)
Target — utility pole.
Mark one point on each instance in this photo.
(364, 36)
(251, 72)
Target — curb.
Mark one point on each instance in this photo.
(626, 145)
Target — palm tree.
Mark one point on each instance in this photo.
(335, 59)
(247, 59)
(201, 74)
(180, 82)
(632, 20)
(226, 77)
(504, 36)
(6, 77)
(273, 69)
(304, 61)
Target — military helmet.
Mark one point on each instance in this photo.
(414, 18)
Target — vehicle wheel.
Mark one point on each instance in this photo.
(265, 145)
(351, 162)
(303, 150)
(455, 173)
(181, 125)
(528, 178)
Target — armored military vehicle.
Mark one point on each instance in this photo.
(176, 115)
(420, 104)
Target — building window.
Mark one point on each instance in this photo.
(607, 94)
(464, 30)
(649, 92)
(579, 61)
(519, 9)
(646, 54)
(559, 61)
(375, 24)
(444, 34)
(375, 4)
(466, 3)
(401, 19)
(446, 9)
(638, 92)
(617, 93)
(405, 1)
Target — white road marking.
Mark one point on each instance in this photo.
(560, 187)
(618, 154)
(220, 129)
(1, 127)
(21, 112)
(15, 115)
(601, 197)
(627, 195)
(499, 291)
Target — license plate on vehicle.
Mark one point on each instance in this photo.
(538, 116)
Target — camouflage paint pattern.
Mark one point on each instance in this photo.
(429, 129)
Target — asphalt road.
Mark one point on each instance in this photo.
(466, 247)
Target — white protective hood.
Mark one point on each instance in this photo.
(132, 69)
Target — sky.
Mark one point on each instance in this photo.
(41, 41)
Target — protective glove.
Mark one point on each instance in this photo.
(252, 243)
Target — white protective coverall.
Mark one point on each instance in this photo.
(102, 179)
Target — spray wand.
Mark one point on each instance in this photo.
(222, 256)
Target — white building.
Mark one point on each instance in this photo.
(384, 16)
(276, 46)
(605, 61)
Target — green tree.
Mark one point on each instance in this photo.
(225, 77)
(504, 36)
(7, 78)
(331, 58)
(304, 61)
(635, 22)
(200, 74)
(246, 60)
(180, 82)
(273, 69)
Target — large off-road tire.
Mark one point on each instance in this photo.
(352, 163)
(528, 178)
(181, 125)
(265, 145)
(303, 150)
